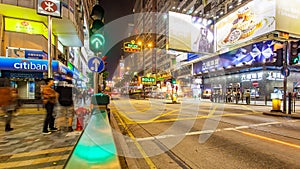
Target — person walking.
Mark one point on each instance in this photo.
(7, 101)
(65, 99)
(247, 95)
(49, 100)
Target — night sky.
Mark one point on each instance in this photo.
(114, 9)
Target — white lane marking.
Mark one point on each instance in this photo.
(212, 131)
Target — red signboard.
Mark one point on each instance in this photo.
(255, 83)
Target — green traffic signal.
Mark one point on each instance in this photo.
(97, 41)
(295, 60)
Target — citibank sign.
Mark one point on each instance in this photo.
(27, 65)
(32, 65)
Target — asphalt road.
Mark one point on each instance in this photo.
(201, 134)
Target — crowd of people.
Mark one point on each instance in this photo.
(58, 100)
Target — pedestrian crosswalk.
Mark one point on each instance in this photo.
(50, 158)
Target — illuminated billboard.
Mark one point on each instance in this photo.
(260, 52)
(26, 26)
(288, 16)
(250, 21)
(190, 33)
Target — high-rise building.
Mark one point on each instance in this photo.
(157, 59)
(24, 38)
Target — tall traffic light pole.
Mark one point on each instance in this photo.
(286, 48)
(96, 38)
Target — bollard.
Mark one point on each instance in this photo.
(79, 124)
(80, 112)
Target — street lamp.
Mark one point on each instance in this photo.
(144, 46)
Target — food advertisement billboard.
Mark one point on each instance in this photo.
(191, 34)
(250, 21)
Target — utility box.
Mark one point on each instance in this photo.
(100, 99)
(276, 102)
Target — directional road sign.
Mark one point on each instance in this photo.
(96, 64)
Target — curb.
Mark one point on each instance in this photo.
(122, 145)
(278, 114)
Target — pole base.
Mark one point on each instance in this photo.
(276, 111)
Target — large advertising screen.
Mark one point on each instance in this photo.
(288, 16)
(250, 21)
(260, 52)
(190, 33)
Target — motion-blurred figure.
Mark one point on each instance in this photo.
(8, 101)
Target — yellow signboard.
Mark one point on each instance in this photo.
(25, 26)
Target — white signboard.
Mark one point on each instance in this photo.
(49, 7)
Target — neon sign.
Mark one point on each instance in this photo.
(131, 47)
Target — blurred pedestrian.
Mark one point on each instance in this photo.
(49, 99)
(7, 101)
(247, 95)
(65, 99)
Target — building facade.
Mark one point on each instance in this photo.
(24, 44)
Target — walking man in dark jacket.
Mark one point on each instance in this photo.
(66, 105)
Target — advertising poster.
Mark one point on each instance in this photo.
(288, 16)
(191, 34)
(250, 21)
(260, 52)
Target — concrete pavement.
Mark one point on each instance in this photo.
(26, 146)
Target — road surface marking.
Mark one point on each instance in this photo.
(55, 150)
(269, 139)
(212, 131)
(32, 162)
(131, 121)
(145, 156)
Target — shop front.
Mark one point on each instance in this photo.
(27, 74)
(250, 69)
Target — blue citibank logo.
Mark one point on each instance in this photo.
(22, 64)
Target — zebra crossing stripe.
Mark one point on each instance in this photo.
(32, 162)
(55, 150)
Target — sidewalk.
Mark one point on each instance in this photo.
(26, 146)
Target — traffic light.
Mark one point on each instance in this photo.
(97, 40)
(294, 53)
(279, 57)
(173, 81)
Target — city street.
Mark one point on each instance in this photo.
(202, 134)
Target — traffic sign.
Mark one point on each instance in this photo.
(96, 64)
(285, 71)
(255, 83)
